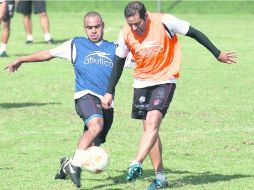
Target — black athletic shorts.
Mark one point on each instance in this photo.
(152, 98)
(25, 7)
(9, 11)
(88, 107)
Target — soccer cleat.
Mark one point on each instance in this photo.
(29, 42)
(3, 54)
(158, 184)
(61, 174)
(134, 172)
(73, 172)
(51, 41)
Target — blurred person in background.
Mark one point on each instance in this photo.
(39, 7)
(6, 26)
(2, 9)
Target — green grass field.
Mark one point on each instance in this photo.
(207, 134)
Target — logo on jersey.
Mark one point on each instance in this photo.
(98, 57)
(149, 48)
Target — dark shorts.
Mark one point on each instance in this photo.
(88, 107)
(152, 98)
(25, 7)
(9, 11)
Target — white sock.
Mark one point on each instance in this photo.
(29, 37)
(47, 37)
(135, 162)
(3, 47)
(79, 157)
(160, 176)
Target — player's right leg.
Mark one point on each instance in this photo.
(140, 97)
(87, 108)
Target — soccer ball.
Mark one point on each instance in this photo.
(96, 159)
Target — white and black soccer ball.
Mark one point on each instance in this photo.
(96, 159)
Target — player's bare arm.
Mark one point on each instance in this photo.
(43, 55)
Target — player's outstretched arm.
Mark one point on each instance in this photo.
(225, 57)
(35, 57)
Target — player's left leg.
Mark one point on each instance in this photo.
(155, 155)
(160, 99)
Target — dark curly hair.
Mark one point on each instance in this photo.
(135, 7)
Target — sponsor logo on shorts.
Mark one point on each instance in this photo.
(156, 102)
(141, 106)
(100, 58)
(142, 99)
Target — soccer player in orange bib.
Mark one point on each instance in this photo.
(152, 40)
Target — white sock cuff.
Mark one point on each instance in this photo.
(47, 36)
(29, 37)
(160, 175)
(135, 162)
(3, 47)
(78, 157)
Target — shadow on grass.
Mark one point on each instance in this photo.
(186, 178)
(26, 104)
(6, 168)
(191, 178)
(55, 41)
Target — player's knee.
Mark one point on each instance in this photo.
(151, 127)
(43, 14)
(96, 128)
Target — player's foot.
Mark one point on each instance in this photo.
(134, 172)
(158, 184)
(61, 174)
(73, 172)
(3, 54)
(29, 42)
(51, 41)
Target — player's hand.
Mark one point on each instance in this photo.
(106, 100)
(12, 67)
(228, 57)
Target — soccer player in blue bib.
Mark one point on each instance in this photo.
(92, 60)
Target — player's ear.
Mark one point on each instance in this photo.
(146, 15)
(102, 25)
